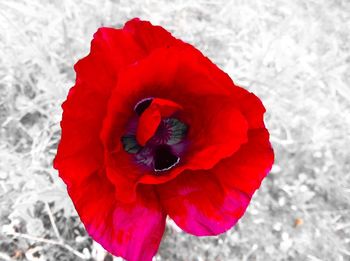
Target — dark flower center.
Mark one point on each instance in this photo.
(163, 150)
(142, 105)
(164, 158)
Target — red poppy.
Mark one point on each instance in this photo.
(154, 128)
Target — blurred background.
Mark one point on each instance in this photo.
(295, 55)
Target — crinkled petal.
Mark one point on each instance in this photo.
(149, 37)
(246, 169)
(80, 151)
(251, 108)
(210, 202)
(132, 231)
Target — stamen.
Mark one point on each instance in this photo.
(130, 144)
(177, 130)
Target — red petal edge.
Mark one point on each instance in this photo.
(80, 151)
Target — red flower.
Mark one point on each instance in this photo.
(153, 128)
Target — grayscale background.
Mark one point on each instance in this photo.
(295, 55)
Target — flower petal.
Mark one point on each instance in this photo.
(80, 151)
(246, 169)
(149, 36)
(132, 231)
(147, 125)
(199, 205)
(251, 108)
(210, 202)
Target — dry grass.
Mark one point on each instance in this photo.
(295, 55)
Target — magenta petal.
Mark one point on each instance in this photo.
(132, 231)
(199, 205)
